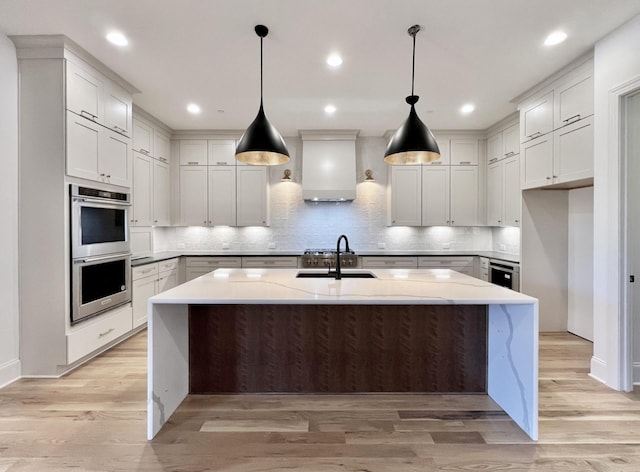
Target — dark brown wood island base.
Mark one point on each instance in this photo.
(255, 348)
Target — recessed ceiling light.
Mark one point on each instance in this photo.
(193, 108)
(330, 109)
(555, 38)
(117, 38)
(334, 60)
(468, 108)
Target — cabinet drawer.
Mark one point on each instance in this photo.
(98, 332)
(280, 261)
(169, 264)
(146, 270)
(214, 262)
(452, 262)
(484, 263)
(385, 262)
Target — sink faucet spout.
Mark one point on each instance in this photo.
(338, 267)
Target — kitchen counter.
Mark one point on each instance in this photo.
(511, 332)
(162, 256)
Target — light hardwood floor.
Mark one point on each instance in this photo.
(94, 420)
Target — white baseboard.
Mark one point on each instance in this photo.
(10, 372)
(598, 369)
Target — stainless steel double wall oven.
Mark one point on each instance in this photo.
(100, 251)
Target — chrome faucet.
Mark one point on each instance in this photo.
(346, 241)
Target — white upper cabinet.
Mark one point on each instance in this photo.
(252, 196)
(445, 151)
(495, 201)
(435, 196)
(142, 137)
(161, 146)
(142, 204)
(406, 191)
(83, 143)
(511, 141)
(193, 196)
(193, 152)
(464, 196)
(221, 152)
(222, 195)
(573, 152)
(512, 193)
(117, 110)
(84, 93)
(537, 162)
(536, 119)
(574, 100)
(494, 148)
(161, 188)
(115, 159)
(464, 152)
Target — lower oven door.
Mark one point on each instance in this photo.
(505, 275)
(99, 284)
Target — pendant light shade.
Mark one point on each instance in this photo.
(261, 144)
(413, 142)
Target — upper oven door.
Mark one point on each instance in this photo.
(98, 227)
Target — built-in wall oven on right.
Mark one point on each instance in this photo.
(100, 251)
(505, 274)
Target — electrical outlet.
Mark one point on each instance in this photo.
(446, 245)
(503, 247)
(181, 246)
(381, 245)
(225, 245)
(271, 245)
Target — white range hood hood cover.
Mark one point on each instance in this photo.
(329, 165)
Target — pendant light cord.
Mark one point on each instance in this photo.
(413, 63)
(261, 38)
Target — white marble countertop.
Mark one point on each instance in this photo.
(392, 287)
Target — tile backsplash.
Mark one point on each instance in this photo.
(296, 224)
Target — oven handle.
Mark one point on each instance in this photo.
(102, 202)
(101, 258)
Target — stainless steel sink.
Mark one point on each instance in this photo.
(332, 275)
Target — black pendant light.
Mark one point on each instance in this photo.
(261, 144)
(413, 143)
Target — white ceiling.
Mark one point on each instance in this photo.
(486, 52)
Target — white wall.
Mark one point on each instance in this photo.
(9, 327)
(580, 266)
(616, 62)
(296, 224)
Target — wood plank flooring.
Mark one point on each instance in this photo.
(94, 420)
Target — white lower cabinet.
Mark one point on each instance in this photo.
(483, 268)
(149, 280)
(201, 265)
(97, 332)
(282, 262)
(462, 264)
(389, 262)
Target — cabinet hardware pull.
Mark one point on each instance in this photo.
(162, 159)
(145, 151)
(517, 221)
(147, 271)
(509, 154)
(106, 332)
(535, 135)
(436, 163)
(86, 114)
(555, 176)
(193, 163)
(108, 176)
(155, 221)
(221, 163)
(493, 160)
(571, 118)
(101, 175)
(548, 178)
(465, 162)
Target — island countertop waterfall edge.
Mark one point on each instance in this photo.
(512, 339)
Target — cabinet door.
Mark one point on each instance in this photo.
(143, 289)
(221, 152)
(511, 141)
(494, 148)
(573, 151)
(193, 196)
(114, 159)
(161, 146)
(537, 162)
(167, 280)
(574, 101)
(406, 199)
(193, 152)
(495, 176)
(83, 143)
(464, 196)
(537, 118)
(435, 196)
(161, 184)
(142, 190)
(251, 191)
(142, 137)
(445, 153)
(222, 195)
(117, 110)
(464, 152)
(512, 193)
(84, 93)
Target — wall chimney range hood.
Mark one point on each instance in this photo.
(328, 165)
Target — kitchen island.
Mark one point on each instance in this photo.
(413, 330)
